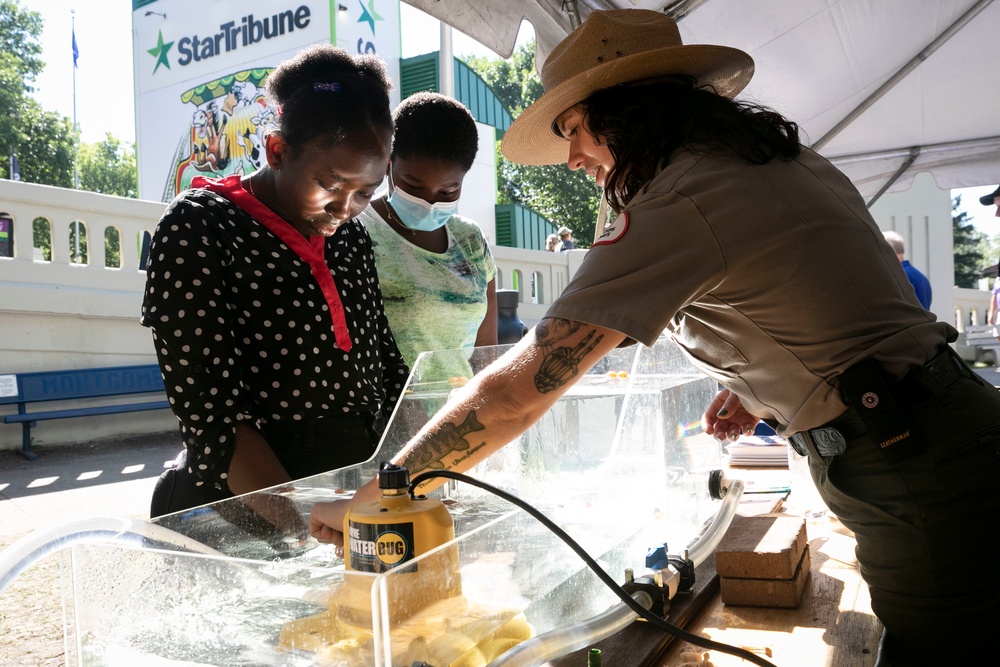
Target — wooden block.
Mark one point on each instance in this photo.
(762, 547)
(783, 593)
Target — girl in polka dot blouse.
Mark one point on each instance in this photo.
(263, 299)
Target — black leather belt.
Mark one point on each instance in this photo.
(920, 384)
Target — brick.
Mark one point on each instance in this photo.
(782, 593)
(762, 547)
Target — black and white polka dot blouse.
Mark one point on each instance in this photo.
(252, 321)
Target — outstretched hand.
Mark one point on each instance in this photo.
(726, 418)
(326, 521)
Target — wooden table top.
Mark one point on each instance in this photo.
(833, 625)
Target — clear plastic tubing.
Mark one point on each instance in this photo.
(705, 544)
(30, 549)
(559, 642)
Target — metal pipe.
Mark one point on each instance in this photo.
(968, 144)
(446, 62)
(914, 153)
(571, 8)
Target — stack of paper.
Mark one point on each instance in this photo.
(759, 450)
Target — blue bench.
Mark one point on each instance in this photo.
(29, 390)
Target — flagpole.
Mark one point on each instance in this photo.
(76, 142)
(76, 130)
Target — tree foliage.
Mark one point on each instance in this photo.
(11, 97)
(20, 31)
(968, 241)
(109, 167)
(44, 141)
(564, 197)
(45, 151)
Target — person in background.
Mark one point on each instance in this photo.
(551, 242)
(565, 240)
(435, 267)
(921, 286)
(993, 313)
(761, 260)
(263, 298)
(992, 199)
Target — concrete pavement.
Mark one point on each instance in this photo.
(107, 478)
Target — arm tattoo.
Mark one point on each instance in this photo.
(449, 438)
(563, 363)
(552, 330)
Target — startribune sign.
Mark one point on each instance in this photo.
(232, 35)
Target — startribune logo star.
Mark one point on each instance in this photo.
(369, 15)
(160, 52)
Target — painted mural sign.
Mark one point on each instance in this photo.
(200, 70)
(229, 116)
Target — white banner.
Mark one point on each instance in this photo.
(199, 72)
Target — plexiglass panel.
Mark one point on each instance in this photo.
(620, 463)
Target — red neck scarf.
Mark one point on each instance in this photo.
(309, 249)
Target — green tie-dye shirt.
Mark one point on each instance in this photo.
(434, 301)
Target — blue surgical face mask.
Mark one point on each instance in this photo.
(417, 214)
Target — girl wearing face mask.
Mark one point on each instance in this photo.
(435, 267)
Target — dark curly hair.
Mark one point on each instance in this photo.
(324, 93)
(643, 124)
(438, 126)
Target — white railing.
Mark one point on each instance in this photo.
(971, 307)
(81, 296)
(539, 277)
(60, 314)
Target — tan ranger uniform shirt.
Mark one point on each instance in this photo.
(773, 278)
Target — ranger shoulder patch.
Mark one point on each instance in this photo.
(614, 231)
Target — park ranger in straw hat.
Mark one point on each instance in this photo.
(761, 261)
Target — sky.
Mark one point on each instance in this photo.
(104, 77)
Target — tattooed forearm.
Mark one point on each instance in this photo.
(435, 448)
(472, 450)
(563, 363)
(550, 331)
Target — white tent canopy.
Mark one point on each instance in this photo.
(885, 89)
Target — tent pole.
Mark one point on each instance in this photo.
(991, 143)
(570, 7)
(914, 153)
(901, 74)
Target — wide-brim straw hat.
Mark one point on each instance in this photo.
(611, 48)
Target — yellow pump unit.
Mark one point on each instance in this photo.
(432, 621)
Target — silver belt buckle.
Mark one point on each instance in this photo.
(828, 441)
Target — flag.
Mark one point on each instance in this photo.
(15, 170)
(76, 51)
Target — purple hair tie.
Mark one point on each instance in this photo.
(330, 87)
